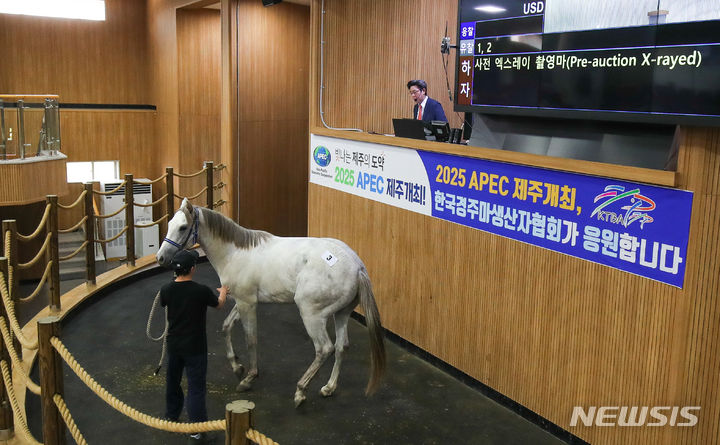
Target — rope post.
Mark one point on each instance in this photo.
(239, 418)
(89, 234)
(6, 414)
(130, 219)
(170, 186)
(51, 381)
(53, 253)
(208, 165)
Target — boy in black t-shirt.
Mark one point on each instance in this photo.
(187, 301)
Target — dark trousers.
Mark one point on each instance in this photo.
(196, 370)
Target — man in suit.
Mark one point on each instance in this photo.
(425, 109)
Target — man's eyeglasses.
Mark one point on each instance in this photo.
(413, 92)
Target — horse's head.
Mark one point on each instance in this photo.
(181, 234)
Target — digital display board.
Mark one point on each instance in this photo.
(640, 60)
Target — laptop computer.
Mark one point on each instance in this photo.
(410, 128)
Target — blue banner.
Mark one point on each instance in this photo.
(638, 228)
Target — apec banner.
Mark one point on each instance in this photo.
(638, 228)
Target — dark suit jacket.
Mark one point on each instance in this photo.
(433, 111)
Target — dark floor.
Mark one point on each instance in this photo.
(416, 404)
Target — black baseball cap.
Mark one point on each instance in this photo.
(185, 259)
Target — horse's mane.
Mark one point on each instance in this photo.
(229, 231)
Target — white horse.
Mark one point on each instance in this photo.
(323, 276)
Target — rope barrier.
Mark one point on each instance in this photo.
(219, 185)
(113, 238)
(142, 226)
(12, 318)
(77, 201)
(39, 287)
(19, 414)
(194, 196)
(17, 363)
(122, 184)
(37, 231)
(39, 255)
(73, 228)
(11, 275)
(163, 335)
(259, 438)
(219, 167)
(112, 214)
(160, 199)
(150, 182)
(7, 244)
(192, 175)
(218, 203)
(67, 417)
(67, 257)
(154, 422)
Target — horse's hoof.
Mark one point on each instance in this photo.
(326, 391)
(242, 387)
(299, 399)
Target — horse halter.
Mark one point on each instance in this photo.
(192, 231)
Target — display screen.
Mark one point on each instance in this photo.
(637, 60)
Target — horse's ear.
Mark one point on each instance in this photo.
(186, 206)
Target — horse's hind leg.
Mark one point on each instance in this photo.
(316, 328)
(341, 344)
(229, 351)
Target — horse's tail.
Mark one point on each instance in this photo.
(375, 330)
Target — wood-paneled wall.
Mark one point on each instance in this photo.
(546, 330)
(273, 55)
(82, 61)
(263, 105)
(373, 49)
(199, 57)
(88, 62)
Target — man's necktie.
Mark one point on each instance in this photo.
(419, 112)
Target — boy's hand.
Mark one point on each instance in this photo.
(223, 290)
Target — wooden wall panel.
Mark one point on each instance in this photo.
(373, 49)
(273, 52)
(272, 193)
(198, 39)
(163, 77)
(80, 60)
(547, 330)
(28, 182)
(127, 136)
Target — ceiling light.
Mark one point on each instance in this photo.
(67, 9)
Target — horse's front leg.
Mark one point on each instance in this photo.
(228, 324)
(249, 323)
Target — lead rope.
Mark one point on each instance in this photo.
(164, 334)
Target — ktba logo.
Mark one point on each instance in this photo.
(635, 415)
(321, 155)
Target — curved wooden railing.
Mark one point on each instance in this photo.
(48, 345)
